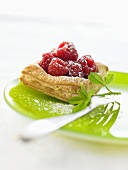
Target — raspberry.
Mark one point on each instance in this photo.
(46, 59)
(91, 63)
(88, 64)
(67, 51)
(89, 60)
(75, 69)
(64, 61)
(63, 44)
(53, 52)
(85, 68)
(57, 67)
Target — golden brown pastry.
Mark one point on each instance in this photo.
(61, 87)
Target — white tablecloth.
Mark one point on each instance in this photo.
(22, 41)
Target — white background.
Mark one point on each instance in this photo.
(29, 28)
(105, 11)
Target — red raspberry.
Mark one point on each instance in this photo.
(53, 52)
(57, 67)
(85, 68)
(63, 44)
(88, 64)
(67, 51)
(46, 59)
(75, 69)
(91, 63)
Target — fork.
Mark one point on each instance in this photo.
(43, 127)
(100, 121)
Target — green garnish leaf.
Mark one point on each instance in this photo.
(81, 105)
(83, 89)
(75, 100)
(83, 99)
(95, 78)
(109, 78)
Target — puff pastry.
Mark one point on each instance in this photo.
(61, 87)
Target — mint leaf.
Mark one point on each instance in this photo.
(79, 107)
(109, 79)
(82, 94)
(95, 78)
(83, 89)
(75, 100)
(90, 94)
(82, 105)
(83, 99)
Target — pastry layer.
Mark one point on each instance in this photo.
(61, 87)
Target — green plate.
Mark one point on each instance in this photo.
(103, 124)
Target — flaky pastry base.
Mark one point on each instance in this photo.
(61, 87)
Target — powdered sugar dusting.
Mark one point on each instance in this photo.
(61, 108)
(53, 107)
(73, 79)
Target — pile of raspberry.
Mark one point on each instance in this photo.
(64, 61)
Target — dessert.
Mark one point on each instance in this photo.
(61, 71)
